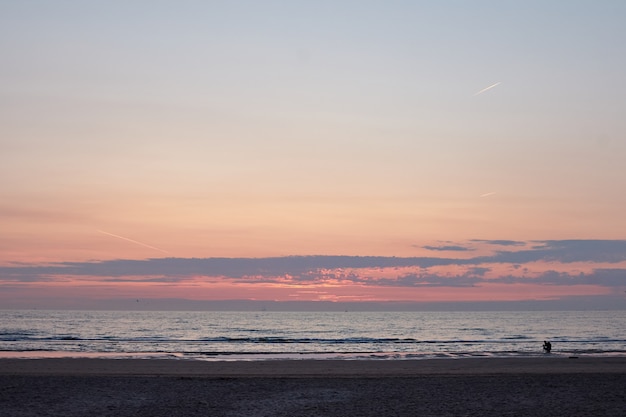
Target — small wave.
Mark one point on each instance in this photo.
(306, 340)
(17, 334)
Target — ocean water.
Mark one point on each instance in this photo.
(309, 335)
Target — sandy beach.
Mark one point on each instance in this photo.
(545, 386)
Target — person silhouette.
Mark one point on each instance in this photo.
(547, 346)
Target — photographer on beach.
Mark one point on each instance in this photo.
(547, 346)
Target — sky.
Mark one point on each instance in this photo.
(331, 151)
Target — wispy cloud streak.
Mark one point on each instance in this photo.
(488, 88)
(132, 241)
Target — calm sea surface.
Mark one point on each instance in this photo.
(348, 335)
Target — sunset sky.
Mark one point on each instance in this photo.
(361, 151)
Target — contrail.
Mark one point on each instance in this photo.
(488, 88)
(488, 194)
(133, 241)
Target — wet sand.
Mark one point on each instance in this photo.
(543, 386)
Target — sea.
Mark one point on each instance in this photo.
(266, 335)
